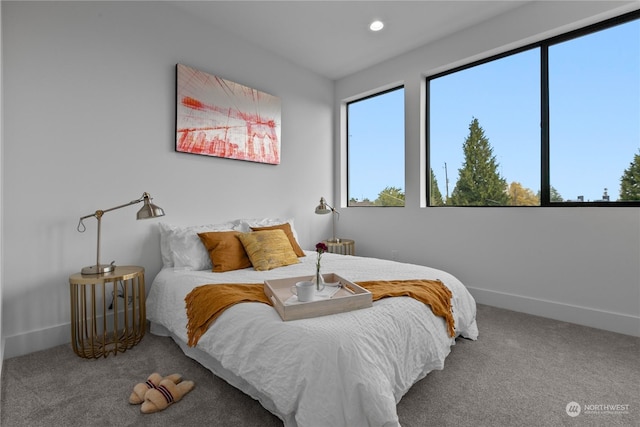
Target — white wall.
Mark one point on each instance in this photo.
(575, 264)
(89, 90)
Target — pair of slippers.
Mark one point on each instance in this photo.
(158, 392)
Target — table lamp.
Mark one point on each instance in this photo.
(325, 208)
(148, 210)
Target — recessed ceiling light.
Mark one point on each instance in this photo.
(376, 26)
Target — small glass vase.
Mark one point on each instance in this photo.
(318, 280)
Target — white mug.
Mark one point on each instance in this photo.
(304, 290)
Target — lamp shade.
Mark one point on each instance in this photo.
(149, 210)
(322, 208)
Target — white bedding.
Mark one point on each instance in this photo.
(347, 369)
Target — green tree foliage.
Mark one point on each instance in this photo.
(435, 195)
(555, 195)
(521, 196)
(630, 181)
(390, 196)
(479, 183)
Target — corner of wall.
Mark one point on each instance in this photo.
(1, 192)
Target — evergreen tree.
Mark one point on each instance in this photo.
(630, 181)
(479, 183)
(435, 195)
(555, 196)
(390, 196)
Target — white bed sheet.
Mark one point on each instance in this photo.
(346, 369)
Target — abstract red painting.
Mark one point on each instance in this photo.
(220, 118)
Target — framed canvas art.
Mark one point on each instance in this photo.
(220, 118)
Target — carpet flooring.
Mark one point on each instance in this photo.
(522, 371)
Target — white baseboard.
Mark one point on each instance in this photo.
(599, 319)
(42, 339)
(1, 355)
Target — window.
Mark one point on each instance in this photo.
(594, 113)
(485, 133)
(555, 123)
(375, 150)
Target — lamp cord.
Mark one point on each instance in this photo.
(120, 294)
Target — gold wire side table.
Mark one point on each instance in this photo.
(342, 246)
(108, 312)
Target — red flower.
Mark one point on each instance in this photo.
(321, 247)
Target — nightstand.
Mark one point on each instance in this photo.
(108, 312)
(342, 246)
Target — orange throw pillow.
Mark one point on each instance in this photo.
(225, 250)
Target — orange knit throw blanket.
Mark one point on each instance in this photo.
(430, 292)
(206, 303)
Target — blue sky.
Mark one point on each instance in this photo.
(376, 145)
(594, 123)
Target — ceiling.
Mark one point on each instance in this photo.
(333, 38)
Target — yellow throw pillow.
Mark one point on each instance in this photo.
(268, 249)
(287, 231)
(225, 250)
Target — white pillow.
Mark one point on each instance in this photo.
(181, 247)
(244, 225)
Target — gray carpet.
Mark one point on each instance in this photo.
(522, 371)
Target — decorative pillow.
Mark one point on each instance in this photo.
(245, 224)
(286, 227)
(225, 250)
(268, 249)
(180, 246)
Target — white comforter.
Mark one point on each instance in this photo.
(347, 369)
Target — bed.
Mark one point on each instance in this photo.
(345, 369)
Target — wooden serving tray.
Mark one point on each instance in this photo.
(279, 291)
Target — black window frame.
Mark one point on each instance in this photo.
(543, 46)
(364, 98)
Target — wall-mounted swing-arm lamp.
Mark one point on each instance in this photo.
(149, 210)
